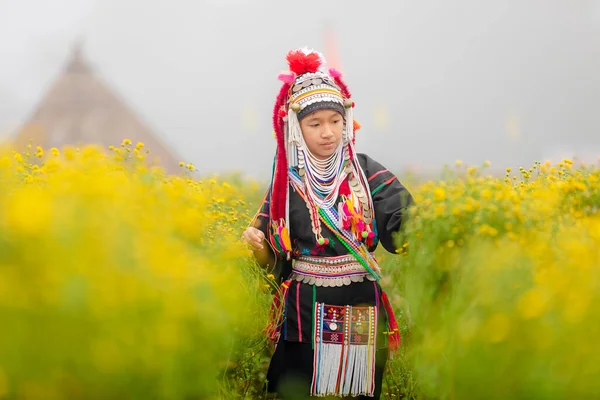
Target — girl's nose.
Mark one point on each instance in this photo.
(327, 131)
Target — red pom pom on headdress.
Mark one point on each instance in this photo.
(302, 62)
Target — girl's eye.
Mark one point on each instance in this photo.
(336, 121)
(314, 126)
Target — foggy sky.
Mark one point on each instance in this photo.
(510, 81)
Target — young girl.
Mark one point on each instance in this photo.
(325, 212)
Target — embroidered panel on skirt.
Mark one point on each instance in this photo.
(344, 356)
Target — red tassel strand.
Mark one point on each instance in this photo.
(345, 188)
(280, 179)
(334, 73)
(343, 87)
(393, 333)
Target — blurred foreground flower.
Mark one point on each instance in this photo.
(116, 281)
(512, 308)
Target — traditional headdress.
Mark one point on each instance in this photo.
(307, 88)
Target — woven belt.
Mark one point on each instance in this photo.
(329, 271)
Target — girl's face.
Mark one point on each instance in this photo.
(322, 131)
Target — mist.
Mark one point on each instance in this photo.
(508, 81)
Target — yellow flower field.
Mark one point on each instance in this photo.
(117, 281)
(502, 277)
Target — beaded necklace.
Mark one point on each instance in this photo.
(323, 177)
(320, 182)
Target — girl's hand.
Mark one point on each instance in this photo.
(254, 238)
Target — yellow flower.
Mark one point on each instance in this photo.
(439, 194)
(181, 164)
(488, 230)
(69, 153)
(458, 163)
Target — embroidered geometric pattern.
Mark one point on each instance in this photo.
(328, 271)
(344, 357)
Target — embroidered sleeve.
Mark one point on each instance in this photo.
(390, 200)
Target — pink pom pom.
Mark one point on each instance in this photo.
(346, 209)
(282, 113)
(335, 73)
(287, 77)
(371, 235)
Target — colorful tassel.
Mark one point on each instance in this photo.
(285, 237)
(393, 332)
(281, 236)
(352, 220)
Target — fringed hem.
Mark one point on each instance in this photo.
(344, 357)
